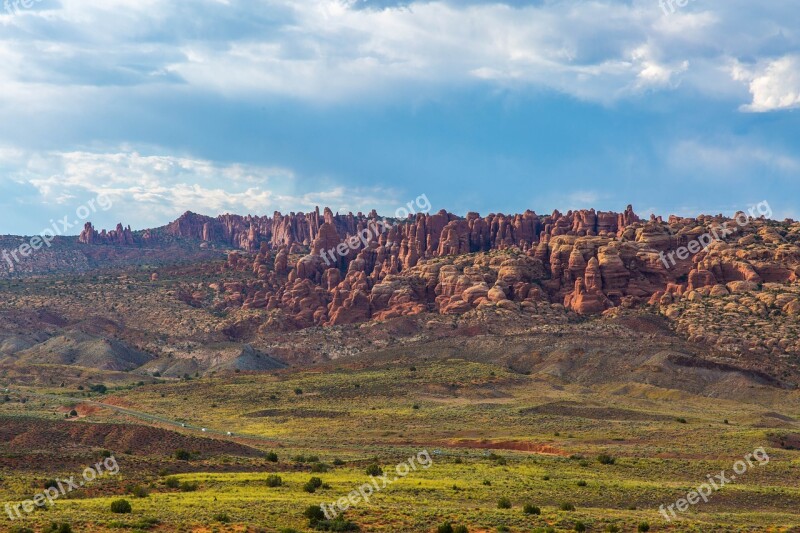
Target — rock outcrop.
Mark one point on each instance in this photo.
(317, 269)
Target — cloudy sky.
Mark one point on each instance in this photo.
(252, 106)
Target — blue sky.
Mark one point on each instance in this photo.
(254, 106)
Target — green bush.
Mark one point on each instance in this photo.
(447, 527)
(580, 526)
(643, 527)
(460, 529)
(222, 517)
(274, 480)
(581, 483)
(605, 459)
(139, 492)
(504, 503)
(272, 457)
(188, 487)
(21, 529)
(611, 528)
(120, 506)
(313, 484)
(531, 509)
(374, 470)
(314, 513)
(566, 507)
(338, 462)
(172, 483)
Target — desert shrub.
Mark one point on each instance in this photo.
(605, 459)
(313, 484)
(374, 470)
(320, 468)
(531, 509)
(447, 527)
(182, 455)
(298, 391)
(504, 503)
(99, 388)
(139, 491)
(580, 526)
(338, 462)
(644, 526)
(460, 529)
(188, 487)
(172, 483)
(317, 520)
(222, 517)
(314, 513)
(566, 507)
(612, 528)
(312, 459)
(272, 457)
(120, 506)
(21, 529)
(681, 420)
(581, 483)
(50, 484)
(106, 454)
(274, 480)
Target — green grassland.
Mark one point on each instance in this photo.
(492, 433)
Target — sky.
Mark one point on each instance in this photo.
(253, 106)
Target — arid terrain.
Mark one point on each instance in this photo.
(564, 372)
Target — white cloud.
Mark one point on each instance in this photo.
(334, 50)
(774, 84)
(150, 190)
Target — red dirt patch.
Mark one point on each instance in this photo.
(32, 434)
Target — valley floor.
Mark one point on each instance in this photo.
(482, 437)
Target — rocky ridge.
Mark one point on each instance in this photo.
(320, 269)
